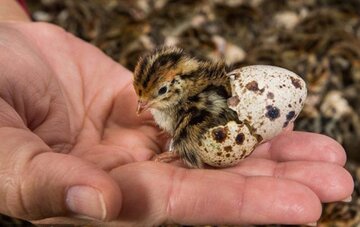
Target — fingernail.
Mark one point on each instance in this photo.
(312, 224)
(347, 200)
(86, 201)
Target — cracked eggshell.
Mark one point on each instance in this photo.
(266, 97)
(227, 145)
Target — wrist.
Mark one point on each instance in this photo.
(11, 10)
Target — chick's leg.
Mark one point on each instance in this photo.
(167, 156)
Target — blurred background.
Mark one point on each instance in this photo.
(317, 39)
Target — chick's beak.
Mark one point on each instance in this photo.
(142, 106)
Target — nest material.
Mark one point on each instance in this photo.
(317, 39)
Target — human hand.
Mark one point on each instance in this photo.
(72, 146)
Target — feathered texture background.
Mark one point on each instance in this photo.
(317, 39)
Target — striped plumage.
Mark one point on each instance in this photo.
(186, 97)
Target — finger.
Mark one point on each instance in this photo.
(329, 181)
(155, 193)
(37, 183)
(263, 149)
(302, 146)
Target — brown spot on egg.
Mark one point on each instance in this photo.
(228, 149)
(228, 155)
(270, 95)
(272, 112)
(219, 153)
(258, 138)
(254, 86)
(233, 101)
(219, 134)
(199, 143)
(296, 82)
(240, 138)
(290, 115)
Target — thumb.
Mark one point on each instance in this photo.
(36, 183)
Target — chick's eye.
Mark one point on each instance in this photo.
(162, 90)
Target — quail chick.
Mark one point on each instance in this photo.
(186, 97)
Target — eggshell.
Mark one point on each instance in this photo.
(266, 97)
(226, 145)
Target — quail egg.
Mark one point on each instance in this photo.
(266, 99)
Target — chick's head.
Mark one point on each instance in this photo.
(158, 78)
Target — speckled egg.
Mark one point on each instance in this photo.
(266, 99)
(226, 145)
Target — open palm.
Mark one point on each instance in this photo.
(72, 109)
